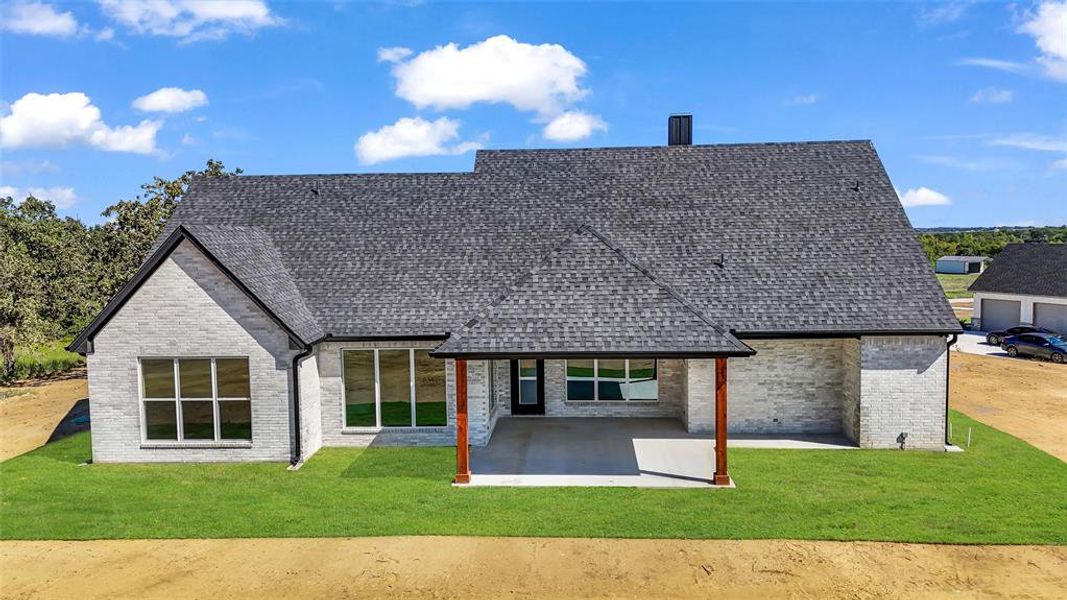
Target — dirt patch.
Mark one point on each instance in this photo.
(429, 567)
(31, 411)
(1026, 398)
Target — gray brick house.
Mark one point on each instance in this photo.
(280, 314)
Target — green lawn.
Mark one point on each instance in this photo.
(1000, 491)
(956, 285)
(45, 359)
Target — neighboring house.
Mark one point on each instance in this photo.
(961, 265)
(1025, 285)
(280, 314)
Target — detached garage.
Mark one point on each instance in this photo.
(1025, 285)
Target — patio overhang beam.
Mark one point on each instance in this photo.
(591, 354)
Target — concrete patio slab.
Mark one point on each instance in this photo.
(527, 451)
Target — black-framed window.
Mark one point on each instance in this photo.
(613, 379)
(196, 399)
(393, 387)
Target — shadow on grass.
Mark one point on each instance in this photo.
(430, 464)
(75, 421)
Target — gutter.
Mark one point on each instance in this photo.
(948, 361)
(294, 455)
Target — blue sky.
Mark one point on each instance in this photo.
(965, 102)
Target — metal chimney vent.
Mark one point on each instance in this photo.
(680, 130)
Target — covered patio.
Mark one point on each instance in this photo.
(591, 299)
(623, 452)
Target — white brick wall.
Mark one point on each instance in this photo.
(310, 407)
(789, 386)
(902, 390)
(187, 308)
(850, 401)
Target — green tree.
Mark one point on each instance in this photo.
(132, 226)
(44, 266)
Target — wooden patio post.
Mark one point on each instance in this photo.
(463, 465)
(722, 477)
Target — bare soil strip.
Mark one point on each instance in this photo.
(1026, 398)
(31, 411)
(457, 567)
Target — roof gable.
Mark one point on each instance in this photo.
(248, 265)
(589, 297)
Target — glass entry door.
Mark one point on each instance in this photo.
(527, 387)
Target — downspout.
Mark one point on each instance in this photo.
(948, 372)
(294, 457)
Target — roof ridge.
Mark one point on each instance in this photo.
(625, 256)
(481, 151)
(647, 272)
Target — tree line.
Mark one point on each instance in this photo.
(58, 272)
(985, 242)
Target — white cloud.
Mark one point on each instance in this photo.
(32, 167)
(61, 197)
(992, 95)
(189, 140)
(923, 196)
(1060, 164)
(803, 100)
(1031, 141)
(191, 20)
(573, 125)
(171, 100)
(57, 120)
(539, 78)
(948, 12)
(997, 64)
(411, 137)
(394, 54)
(104, 34)
(976, 165)
(1048, 27)
(38, 18)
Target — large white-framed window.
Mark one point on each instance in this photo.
(393, 387)
(612, 380)
(195, 399)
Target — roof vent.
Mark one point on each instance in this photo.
(680, 130)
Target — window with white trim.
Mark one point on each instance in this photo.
(393, 387)
(613, 379)
(196, 399)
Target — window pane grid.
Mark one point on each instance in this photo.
(612, 380)
(195, 404)
(408, 391)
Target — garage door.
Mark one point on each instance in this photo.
(1000, 314)
(1051, 316)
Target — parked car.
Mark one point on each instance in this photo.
(1043, 345)
(994, 338)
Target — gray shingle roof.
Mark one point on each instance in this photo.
(588, 296)
(251, 256)
(1029, 269)
(812, 235)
